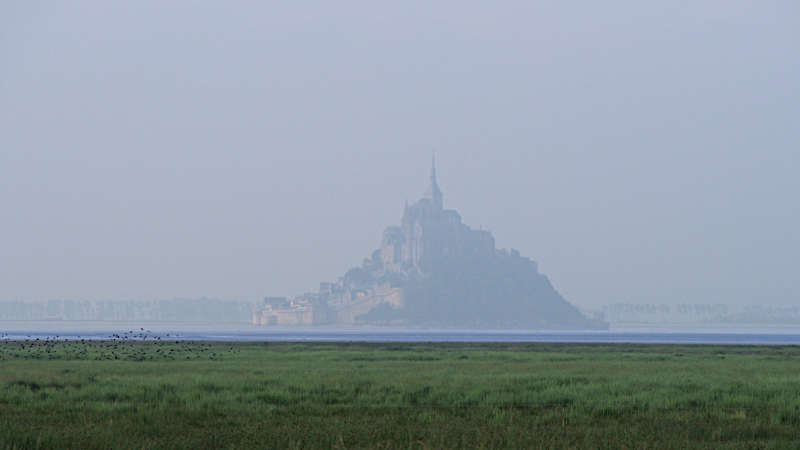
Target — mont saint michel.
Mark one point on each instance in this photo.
(432, 270)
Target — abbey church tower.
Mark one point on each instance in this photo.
(434, 193)
(430, 235)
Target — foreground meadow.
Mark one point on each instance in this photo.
(159, 394)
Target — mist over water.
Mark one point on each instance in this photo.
(640, 154)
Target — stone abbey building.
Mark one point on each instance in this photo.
(430, 235)
(432, 270)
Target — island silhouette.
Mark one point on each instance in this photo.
(433, 270)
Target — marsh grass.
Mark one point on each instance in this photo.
(111, 394)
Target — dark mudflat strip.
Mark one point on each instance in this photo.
(763, 337)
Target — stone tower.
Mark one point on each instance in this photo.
(430, 236)
(434, 193)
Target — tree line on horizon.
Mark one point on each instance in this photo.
(177, 310)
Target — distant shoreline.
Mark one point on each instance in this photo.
(614, 326)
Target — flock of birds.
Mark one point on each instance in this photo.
(132, 345)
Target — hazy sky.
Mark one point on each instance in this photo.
(642, 152)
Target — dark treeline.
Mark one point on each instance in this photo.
(190, 310)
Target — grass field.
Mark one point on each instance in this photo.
(159, 394)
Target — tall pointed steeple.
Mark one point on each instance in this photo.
(433, 192)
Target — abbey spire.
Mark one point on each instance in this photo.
(433, 192)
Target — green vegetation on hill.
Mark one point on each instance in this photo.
(123, 394)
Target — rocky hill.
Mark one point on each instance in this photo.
(433, 270)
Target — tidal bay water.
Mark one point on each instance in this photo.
(13, 330)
